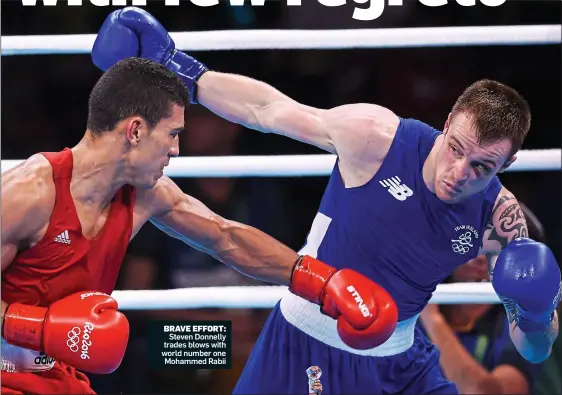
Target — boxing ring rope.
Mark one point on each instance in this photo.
(305, 165)
(264, 297)
(307, 39)
(298, 165)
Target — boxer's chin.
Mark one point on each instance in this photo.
(148, 183)
(446, 195)
(155, 180)
(157, 177)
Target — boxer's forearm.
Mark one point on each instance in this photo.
(457, 363)
(237, 98)
(242, 247)
(255, 254)
(535, 346)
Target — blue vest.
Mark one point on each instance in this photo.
(394, 230)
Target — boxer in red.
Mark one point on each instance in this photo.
(67, 218)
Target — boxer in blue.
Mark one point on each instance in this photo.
(404, 206)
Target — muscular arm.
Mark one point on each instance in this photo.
(27, 202)
(358, 133)
(241, 247)
(507, 223)
(261, 107)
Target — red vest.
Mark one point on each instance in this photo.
(64, 261)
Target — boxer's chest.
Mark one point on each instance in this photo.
(396, 221)
(64, 261)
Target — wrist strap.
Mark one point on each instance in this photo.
(309, 277)
(297, 263)
(23, 326)
(188, 69)
(526, 320)
(532, 324)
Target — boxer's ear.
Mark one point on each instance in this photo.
(133, 130)
(447, 124)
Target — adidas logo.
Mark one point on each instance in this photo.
(63, 238)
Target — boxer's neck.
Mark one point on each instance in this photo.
(99, 169)
(428, 170)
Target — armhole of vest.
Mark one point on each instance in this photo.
(60, 163)
(335, 175)
(55, 161)
(50, 156)
(61, 182)
(54, 211)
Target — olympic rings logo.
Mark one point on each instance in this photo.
(460, 249)
(73, 339)
(463, 244)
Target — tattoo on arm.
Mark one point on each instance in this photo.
(508, 221)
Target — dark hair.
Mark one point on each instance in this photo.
(134, 86)
(497, 111)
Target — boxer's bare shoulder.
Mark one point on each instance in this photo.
(360, 131)
(362, 134)
(359, 134)
(28, 198)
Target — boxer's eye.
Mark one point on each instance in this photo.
(455, 150)
(480, 168)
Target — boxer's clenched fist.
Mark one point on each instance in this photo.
(527, 279)
(367, 315)
(132, 31)
(84, 330)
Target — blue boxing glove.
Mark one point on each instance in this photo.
(133, 32)
(526, 278)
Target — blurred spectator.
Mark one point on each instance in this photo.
(476, 350)
(550, 379)
(257, 204)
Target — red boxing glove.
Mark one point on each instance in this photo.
(367, 315)
(84, 330)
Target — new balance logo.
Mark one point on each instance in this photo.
(399, 191)
(63, 238)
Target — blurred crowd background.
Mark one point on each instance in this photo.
(44, 108)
